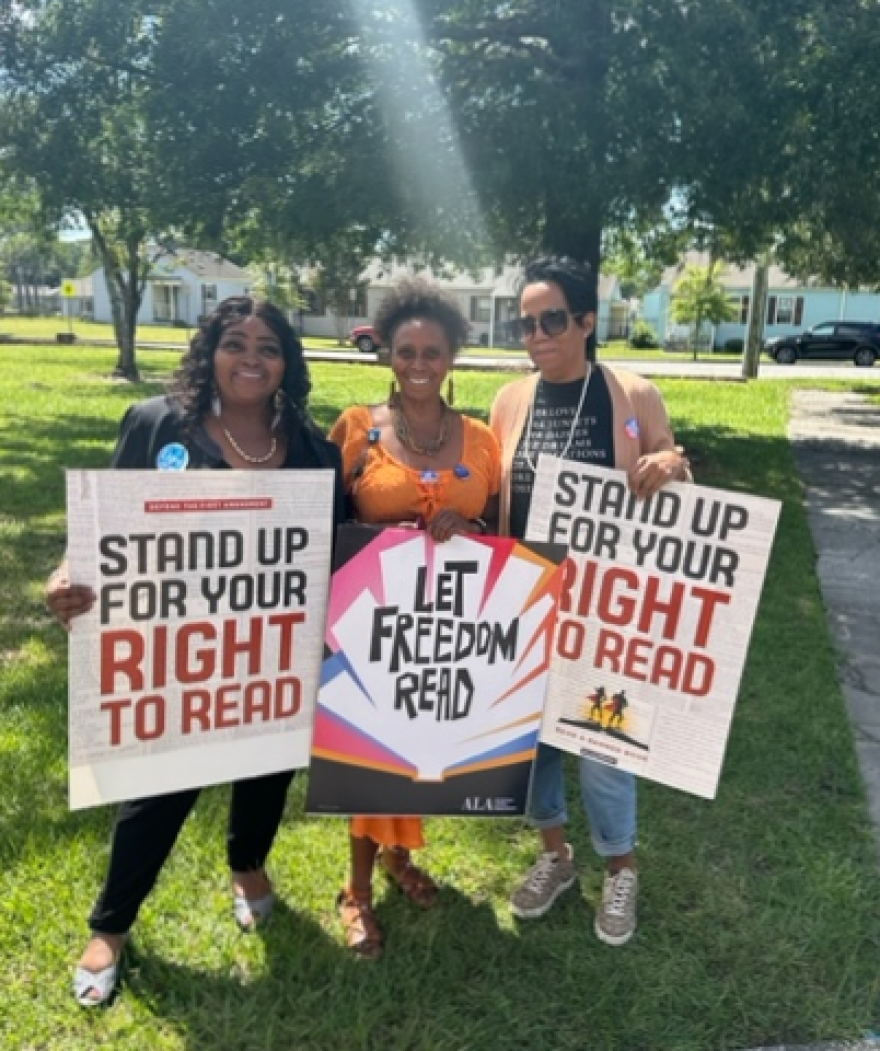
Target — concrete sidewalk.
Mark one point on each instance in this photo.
(836, 442)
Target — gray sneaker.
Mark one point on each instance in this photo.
(549, 877)
(616, 917)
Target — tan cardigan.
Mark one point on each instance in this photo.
(632, 397)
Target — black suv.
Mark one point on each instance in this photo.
(858, 341)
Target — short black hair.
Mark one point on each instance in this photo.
(573, 278)
(414, 298)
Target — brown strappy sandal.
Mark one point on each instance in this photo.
(412, 881)
(363, 936)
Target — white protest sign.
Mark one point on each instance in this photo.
(199, 662)
(657, 608)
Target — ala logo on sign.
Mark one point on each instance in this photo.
(488, 804)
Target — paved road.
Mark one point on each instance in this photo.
(685, 368)
(676, 367)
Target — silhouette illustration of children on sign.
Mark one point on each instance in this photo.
(597, 702)
(618, 704)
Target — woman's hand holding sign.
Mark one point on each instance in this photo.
(655, 470)
(65, 600)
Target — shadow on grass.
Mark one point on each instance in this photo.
(449, 978)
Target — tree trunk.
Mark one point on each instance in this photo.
(126, 292)
(757, 313)
(698, 324)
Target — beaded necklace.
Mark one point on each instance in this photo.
(402, 430)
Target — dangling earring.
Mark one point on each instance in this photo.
(392, 391)
(450, 391)
(216, 404)
(280, 399)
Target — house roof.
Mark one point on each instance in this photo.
(207, 264)
(487, 281)
(735, 278)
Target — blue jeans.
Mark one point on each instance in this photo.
(608, 794)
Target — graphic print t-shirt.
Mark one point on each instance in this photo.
(553, 413)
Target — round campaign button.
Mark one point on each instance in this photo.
(429, 477)
(173, 457)
(460, 471)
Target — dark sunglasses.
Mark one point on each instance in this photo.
(552, 322)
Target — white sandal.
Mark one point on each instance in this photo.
(251, 913)
(103, 983)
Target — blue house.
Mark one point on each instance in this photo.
(793, 305)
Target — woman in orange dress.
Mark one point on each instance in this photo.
(413, 462)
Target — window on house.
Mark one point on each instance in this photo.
(209, 297)
(481, 309)
(741, 304)
(164, 302)
(313, 302)
(785, 310)
(357, 303)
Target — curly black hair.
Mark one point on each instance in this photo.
(415, 298)
(194, 381)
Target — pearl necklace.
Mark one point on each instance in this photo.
(574, 423)
(246, 456)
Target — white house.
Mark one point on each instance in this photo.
(792, 305)
(488, 299)
(181, 287)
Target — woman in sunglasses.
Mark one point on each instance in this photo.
(592, 414)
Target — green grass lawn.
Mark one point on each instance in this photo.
(759, 911)
(46, 328)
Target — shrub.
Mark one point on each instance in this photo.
(734, 346)
(643, 336)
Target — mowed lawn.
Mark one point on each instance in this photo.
(759, 911)
(87, 332)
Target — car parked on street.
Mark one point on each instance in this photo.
(365, 338)
(856, 341)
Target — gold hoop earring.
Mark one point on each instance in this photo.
(392, 391)
(450, 391)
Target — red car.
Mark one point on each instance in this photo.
(365, 338)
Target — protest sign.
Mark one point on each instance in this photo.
(657, 607)
(434, 680)
(199, 662)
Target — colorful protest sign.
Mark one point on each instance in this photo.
(657, 608)
(435, 674)
(199, 662)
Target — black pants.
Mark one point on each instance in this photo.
(146, 830)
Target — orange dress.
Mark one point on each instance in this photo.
(386, 490)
